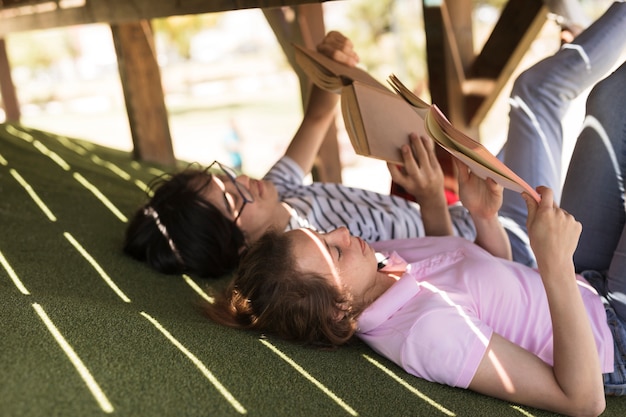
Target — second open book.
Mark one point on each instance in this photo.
(379, 120)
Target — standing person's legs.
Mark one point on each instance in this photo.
(594, 187)
(539, 100)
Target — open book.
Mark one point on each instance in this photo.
(379, 121)
(469, 151)
(329, 74)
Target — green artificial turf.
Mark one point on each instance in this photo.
(134, 342)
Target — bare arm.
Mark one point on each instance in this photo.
(320, 110)
(573, 385)
(483, 199)
(422, 176)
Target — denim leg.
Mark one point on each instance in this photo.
(593, 191)
(615, 382)
(616, 279)
(540, 98)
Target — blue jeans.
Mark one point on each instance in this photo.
(539, 99)
(614, 382)
(593, 190)
(594, 193)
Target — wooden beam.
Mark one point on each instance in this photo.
(449, 51)
(519, 24)
(306, 27)
(143, 92)
(7, 88)
(46, 14)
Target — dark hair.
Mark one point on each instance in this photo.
(207, 242)
(269, 294)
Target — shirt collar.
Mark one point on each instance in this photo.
(392, 299)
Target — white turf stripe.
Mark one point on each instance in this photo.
(308, 376)
(100, 197)
(198, 363)
(16, 280)
(3, 161)
(97, 267)
(197, 288)
(409, 387)
(33, 195)
(89, 380)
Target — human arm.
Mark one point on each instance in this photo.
(320, 109)
(423, 178)
(483, 199)
(573, 385)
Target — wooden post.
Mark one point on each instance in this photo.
(307, 28)
(143, 92)
(7, 88)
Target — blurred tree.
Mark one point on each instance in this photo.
(177, 31)
(389, 36)
(40, 49)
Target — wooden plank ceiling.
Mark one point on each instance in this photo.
(462, 82)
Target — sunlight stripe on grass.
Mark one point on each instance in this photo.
(308, 376)
(522, 411)
(155, 171)
(144, 187)
(33, 195)
(52, 155)
(97, 267)
(83, 181)
(16, 280)
(111, 167)
(412, 389)
(197, 288)
(3, 161)
(71, 145)
(19, 134)
(198, 363)
(84, 373)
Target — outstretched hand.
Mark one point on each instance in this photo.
(481, 197)
(336, 46)
(421, 175)
(553, 232)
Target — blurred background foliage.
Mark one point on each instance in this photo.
(387, 33)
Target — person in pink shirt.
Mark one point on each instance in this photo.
(463, 313)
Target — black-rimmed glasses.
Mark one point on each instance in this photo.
(243, 191)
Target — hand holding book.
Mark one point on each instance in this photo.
(379, 121)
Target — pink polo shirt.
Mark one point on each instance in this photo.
(437, 320)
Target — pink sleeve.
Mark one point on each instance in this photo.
(446, 347)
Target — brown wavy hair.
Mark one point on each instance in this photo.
(270, 295)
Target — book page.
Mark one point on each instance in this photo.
(478, 158)
(386, 119)
(408, 95)
(330, 74)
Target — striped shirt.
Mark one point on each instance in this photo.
(367, 214)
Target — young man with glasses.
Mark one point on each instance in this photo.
(199, 221)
